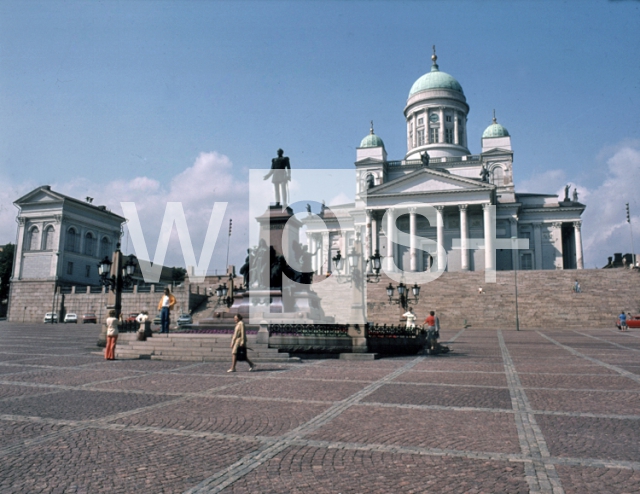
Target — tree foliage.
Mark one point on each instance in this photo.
(6, 267)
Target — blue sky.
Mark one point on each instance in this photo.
(151, 101)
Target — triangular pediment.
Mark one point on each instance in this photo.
(497, 151)
(428, 181)
(40, 195)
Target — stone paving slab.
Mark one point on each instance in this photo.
(77, 404)
(459, 378)
(411, 394)
(530, 411)
(591, 437)
(307, 469)
(474, 431)
(229, 416)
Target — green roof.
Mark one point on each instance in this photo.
(371, 141)
(435, 80)
(495, 130)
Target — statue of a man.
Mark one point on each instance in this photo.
(566, 192)
(484, 174)
(424, 158)
(280, 175)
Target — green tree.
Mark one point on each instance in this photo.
(6, 267)
(178, 274)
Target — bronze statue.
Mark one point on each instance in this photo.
(280, 175)
(566, 192)
(424, 157)
(484, 174)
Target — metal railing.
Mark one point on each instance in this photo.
(331, 330)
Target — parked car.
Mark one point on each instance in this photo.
(49, 316)
(185, 319)
(633, 321)
(89, 318)
(71, 317)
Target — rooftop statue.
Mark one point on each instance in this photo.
(280, 175)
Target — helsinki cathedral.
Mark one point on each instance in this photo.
(441, 194)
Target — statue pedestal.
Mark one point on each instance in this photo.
(272, 229)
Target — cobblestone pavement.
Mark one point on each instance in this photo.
(506, 412)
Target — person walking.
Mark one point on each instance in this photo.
(112, 336)
(164, 306)
(430, 322)
(239, 345)
(622, 321)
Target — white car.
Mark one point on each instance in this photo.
(50, 317)
(184, 319)
(71, 317)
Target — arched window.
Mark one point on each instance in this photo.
(33, 239)
(72, 240)
(498, 176)
(90, 244)
(48, 238)
(105, 247)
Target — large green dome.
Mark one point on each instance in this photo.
(435, 80)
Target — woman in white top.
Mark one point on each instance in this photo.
(112, 335)
(411, 318)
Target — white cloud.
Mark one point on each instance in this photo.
(605, 229)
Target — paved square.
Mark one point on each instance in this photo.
(530, 411)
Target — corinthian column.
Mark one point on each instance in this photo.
(391, 228)
(440, 237)
(577, 226)
(412, 240)
(464, 238)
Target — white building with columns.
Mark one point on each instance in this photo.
(62, 239)
(466, 203)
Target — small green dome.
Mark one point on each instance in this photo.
(372, 140)
(495, 130)
(435, 80)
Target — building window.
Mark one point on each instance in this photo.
(72, 242)
(105, 247)
(526, 261)
(87, 271)
(448, 136)
(447, 118)
(434, 135)
(48, 238)
(421, 121)
(498, 176)
(420, 137)
(69, 268)
(89, 244)
(33, 238)
(460, 136)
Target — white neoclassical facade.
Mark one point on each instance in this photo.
(62, 239)
(466, 203)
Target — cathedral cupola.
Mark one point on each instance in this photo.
(436, 114)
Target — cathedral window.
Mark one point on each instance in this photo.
(420, 137)
(72, 242)
(48, 238)
(90, 244)
(447, 118)
(460, 135)
(434, 135)
(105, 247)
(448, 136)
(33, 239)
(498, 176)
(421, 121)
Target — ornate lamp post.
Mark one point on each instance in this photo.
(403, 300)
(376, 264)
(115, 275)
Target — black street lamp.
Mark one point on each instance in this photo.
(376, 265)
(221, 292)
(403, 300)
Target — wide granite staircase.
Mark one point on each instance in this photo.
(194, 347)
(545, 299)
